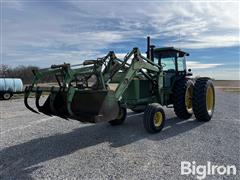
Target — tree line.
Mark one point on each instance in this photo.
(21, 71)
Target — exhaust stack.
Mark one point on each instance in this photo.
(148, 47)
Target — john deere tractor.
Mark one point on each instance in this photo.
(101, 90)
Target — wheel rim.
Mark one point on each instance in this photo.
(6, 96)
(188, 98)
(209, 99)
(158, 118)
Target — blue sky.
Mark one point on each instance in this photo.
(49, 32)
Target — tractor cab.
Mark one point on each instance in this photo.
(171, 59)
(173, 63)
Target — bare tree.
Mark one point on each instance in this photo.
(23, 72)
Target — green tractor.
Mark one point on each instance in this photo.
(101, 90)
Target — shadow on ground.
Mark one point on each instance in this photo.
(18, 160)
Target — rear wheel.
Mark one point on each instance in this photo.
(203, 99)
(182, 98)
(154, 118)
(121, 117)
(7, 95)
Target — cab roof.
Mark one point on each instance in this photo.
(169, 50)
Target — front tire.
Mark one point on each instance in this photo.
(121, 117)
(203, 99)
(182, 98)
(154, 118)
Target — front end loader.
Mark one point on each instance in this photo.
(101, 90)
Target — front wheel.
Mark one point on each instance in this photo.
(154, 118)
(203, 99)
(121, 117)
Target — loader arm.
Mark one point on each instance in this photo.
(138, 63)
(75, 99)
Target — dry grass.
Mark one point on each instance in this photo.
(232, 86)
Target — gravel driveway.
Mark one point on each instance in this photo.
(35, 146)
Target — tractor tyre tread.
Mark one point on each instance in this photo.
(199, 99)
(179, 91)
(120, 121)
(149, 113)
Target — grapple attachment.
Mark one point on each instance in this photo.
(52, 105)
(85, 93)
(85, 106)
(81, 94)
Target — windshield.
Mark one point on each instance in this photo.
(168, 63)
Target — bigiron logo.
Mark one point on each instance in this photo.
(201, 171)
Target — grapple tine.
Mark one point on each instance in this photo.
(45, 107)
(26, 95)
(38, 94)
(70, 95)
(52, 98)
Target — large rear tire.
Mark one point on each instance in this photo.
(154, 118)
(182, 98)
(203, 99)
(121, 117)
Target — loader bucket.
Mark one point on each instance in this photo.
(58, 103)
(85, 106)
(94, 106)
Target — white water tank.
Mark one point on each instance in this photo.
(9, 86)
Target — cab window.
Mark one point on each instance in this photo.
(168, 63)
(181, 64)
